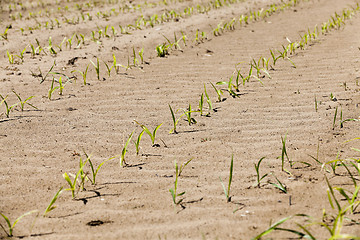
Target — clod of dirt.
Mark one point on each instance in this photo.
(72, 61)
(71, 109)
(95, 223)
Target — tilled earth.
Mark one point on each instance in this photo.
(297, 105)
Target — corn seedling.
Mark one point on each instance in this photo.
(334, 164)
(52, 89)
(122, 157)
(279, 185)
(201, 104)
(135, 60)
(137, 143)
(208, 101)
(273, 57)
(275, 227)
(51, 206)
(187, 113)
(175, 121)
(238, 75)
(2, 102)
(141, 54)
(22, 103)
(108, 68)
(227, 191)
(82, 175)
(183, 165)
(72, 184)
(83, 74)
(284, 154)
(183, 37)
(8, 108)
(21, 55)
(229, 85)
(10, 57)
(51, 49)
(114, 32)
(259, 178)
(176, 42)
(151, 135)
(5, 34)
(350, 197)
(334, 120)
(173, 191)
(335, 230)
(95, 172)
(97, 67)
(11, 227)
(341, 121)
(162, 50)
(43, 77)
(115, 66)
(61, 86)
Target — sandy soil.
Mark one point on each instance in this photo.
(39, 145)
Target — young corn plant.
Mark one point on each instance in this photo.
(183, 165)
(115, 66)
(175, 121)
(5, 34)
(8, 108)
(52, 89)
(21, 55)
(10, 57)
(95, 171)
(2, 101)
(342, 121)
(141, 54)
(137, 143)
(61, 86)
(187, 113)
(183, 37)
(334, 120)
(11, 227)
(230, 86)
(51, 206)
(162, 50)
(275, 227)
(97, 68)
(135, 60)
(227, 190)
(22, 103)
(259, 178)
(279, 185)
(82, 175)
(335, 230)
(108, 68)
(173, 191)
(284, 154)
(83, 74)
(151, 135)
(208, 101)
(42, 76)
(219, 92)
(201, 104)
(72, 184)
(122, 157)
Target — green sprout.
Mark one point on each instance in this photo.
(227, 190)
(11, 227)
